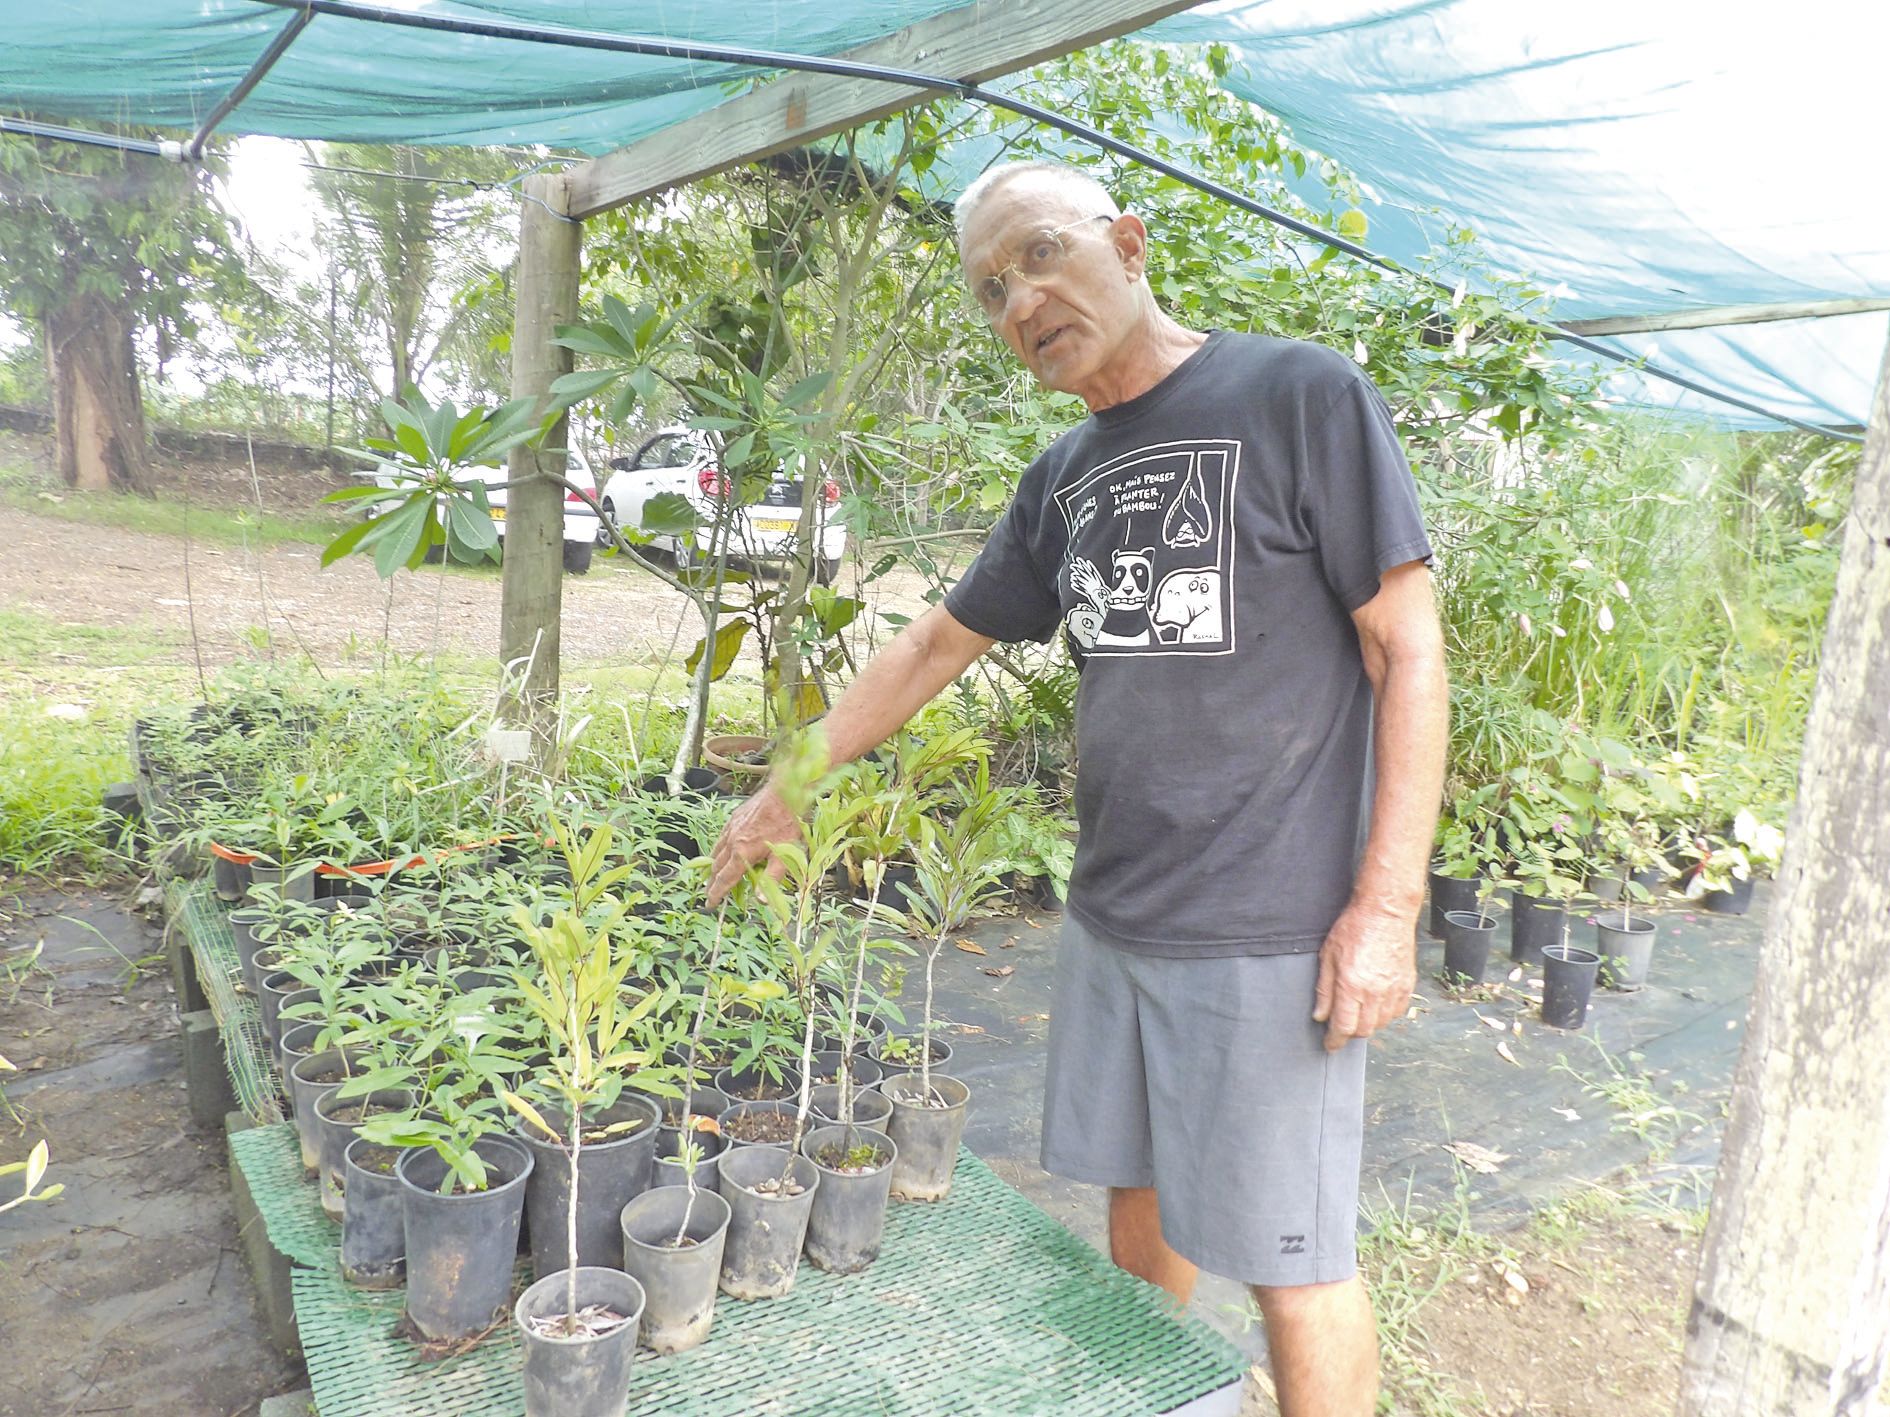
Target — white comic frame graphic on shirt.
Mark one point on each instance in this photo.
(1150, 562)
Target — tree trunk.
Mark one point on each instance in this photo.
(98, 411)
(1791, 1310)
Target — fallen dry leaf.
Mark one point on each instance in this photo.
(1487, 1021)
(1032, 923)
(1002, 971)
(1515, 1027)
(1478, 1158)
(970, 947)
(1515, 974)
(1502, 1051)
(1009, 942)
(1514, 1279)
(1569, 1112)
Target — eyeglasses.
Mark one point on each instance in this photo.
(1044, 255)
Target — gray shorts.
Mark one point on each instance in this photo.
(1208, 1080)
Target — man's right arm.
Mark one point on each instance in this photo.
(896, 683)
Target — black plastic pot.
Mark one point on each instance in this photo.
(1568, 980)
(927, 1137)
(1450, 893)
(729, 1121)
(243, 923)
(1035, 892)
(287, 1018)
(311, 1077)
(865, 1071)
(579, 1376)
(698, 785)
(229, 879)
(1626, 947)
(870, 1108)
(679, 1283)
(1736, 901)
(373, 1237)
(848, 1219)
(699, 1100)
(460, 1247)
(297, 1043)
(610, 1173)
(892, 1067)
(668, 1171)
(1533, 926)
(298, 883)
(1467, 937)
(765, 1232)
(753, 1085)
(269, 1002)
(333, 1138)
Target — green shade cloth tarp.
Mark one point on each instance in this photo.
(1628, 157)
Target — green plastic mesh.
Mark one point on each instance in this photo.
(195, 909)
(289, 1203)
(981, 1304)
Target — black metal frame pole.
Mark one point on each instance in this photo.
(655, 47)
(30, 128)
(277, 48)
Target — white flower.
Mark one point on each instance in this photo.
(1528, 626)
(1558, 632)
(1605, 620)
(1581, 563)
(1620, 589)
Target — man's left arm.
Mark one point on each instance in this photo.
(1368, 964)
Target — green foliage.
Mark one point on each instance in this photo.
(428, 450)
(81, 223)
(412, 254)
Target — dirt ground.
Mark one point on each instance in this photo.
(128, 1292)
(225, 595)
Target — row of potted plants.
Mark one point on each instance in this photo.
(1585, 824)
(525, 1033)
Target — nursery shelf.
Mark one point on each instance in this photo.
(979, 1305)
(195, 909)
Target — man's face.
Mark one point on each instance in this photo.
(1069, 327)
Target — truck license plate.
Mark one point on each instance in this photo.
(771, 524)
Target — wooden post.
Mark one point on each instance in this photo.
(531, 607)
(1791, 1310)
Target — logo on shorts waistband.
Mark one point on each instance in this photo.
(1292, 1244)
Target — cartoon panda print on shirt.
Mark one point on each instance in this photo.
(1150, 564)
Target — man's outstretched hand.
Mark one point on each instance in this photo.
(749, 838)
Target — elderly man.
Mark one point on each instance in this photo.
(1231, 545)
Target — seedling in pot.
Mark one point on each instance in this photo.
(806, 923)
(959, 869)
(595, 1040)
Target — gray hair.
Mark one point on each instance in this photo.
(1072, 182)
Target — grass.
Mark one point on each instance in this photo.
(31, 490)
(68, 694)
(1408, 1260)
(1639, 1108)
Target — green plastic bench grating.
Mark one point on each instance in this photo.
(194, 908)
(979, 1305)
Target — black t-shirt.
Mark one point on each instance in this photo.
(1203, 546)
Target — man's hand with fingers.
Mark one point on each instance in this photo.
(748, 839)
(1367, 969)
